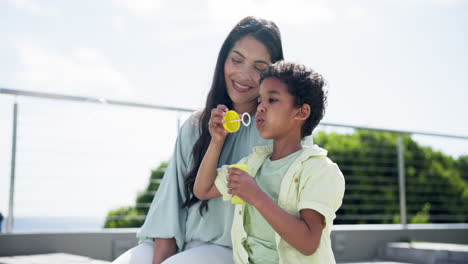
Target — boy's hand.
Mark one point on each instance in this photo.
(240, 183)
(215, 125)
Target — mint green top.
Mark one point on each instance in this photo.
(260, 243)
(166, 218)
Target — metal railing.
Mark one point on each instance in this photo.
(388, 173)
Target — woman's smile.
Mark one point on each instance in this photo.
(240, 88)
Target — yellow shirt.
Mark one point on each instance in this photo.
(312, 181)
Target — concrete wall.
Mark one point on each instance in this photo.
(350, 242)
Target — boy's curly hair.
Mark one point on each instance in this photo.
(305, 85)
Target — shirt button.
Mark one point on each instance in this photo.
(296, 180)
(240, 212)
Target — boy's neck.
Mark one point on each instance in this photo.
(286, 146)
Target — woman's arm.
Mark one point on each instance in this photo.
(169, 197)
(204, 187)
(163, 249)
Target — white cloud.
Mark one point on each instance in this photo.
(35, 7)
(83, 71)
(228, 12)
(426, 2)
(118, 23)
(292, 12)
(147, 9)
(446, 2)
(355, 13)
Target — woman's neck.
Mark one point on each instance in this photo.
(286, 146)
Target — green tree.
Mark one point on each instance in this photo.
(436, 190)
(134, 216)
(436, 184)
(463, 167)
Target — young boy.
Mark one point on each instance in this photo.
(292, 191)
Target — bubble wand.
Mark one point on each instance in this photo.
(232, 120)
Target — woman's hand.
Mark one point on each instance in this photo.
(240, 183)
(215, 125)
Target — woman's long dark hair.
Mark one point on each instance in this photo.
(262, 30)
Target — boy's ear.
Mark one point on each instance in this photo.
(304, 112)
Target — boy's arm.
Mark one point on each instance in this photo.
(204, 187)
(302, 233)
(318, 201)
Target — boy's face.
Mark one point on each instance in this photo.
(276, 113)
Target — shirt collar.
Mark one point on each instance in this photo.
(308, 151)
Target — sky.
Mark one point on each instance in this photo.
(393, 64)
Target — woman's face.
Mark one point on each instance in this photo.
(242, 70)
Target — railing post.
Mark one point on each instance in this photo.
(402, 181)
(12, 175)
(178, 122)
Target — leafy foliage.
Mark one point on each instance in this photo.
(436, 184)
(134, 216)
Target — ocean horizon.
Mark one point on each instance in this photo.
(54, 224)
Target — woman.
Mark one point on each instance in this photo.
(177, 221)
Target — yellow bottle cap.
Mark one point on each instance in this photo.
(232, 121)
(236, 199)
(243, 167)
(229, 121)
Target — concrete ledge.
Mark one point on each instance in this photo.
(351, 243)
(400, 227)
(375, 262)
(425, 253)
(50, 258)
(107, 244)
(360, 243)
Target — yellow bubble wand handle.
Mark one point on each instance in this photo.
(236, 199)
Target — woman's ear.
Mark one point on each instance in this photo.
(304, 112)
